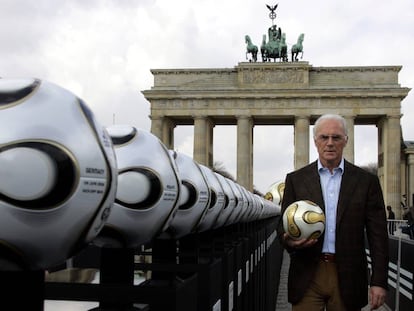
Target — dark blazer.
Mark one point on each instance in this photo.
(360, 210)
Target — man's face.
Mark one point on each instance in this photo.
(330, 141)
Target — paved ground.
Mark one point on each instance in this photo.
(282, 304)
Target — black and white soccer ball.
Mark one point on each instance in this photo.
(194, 197)
(270, 209)
(148, 192)
(230, 202)
(57, 174)
(217, 200)
(240, 203)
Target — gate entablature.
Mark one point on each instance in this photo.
(299, 75)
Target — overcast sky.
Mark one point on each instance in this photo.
(103, 50)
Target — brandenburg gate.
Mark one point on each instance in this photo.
(281, 93)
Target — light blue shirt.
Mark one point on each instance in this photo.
(330, 184)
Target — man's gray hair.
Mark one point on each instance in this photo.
(336, 117)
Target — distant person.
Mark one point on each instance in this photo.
(391, 218)
(331, 273)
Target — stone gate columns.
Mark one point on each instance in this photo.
(203, 140)
(391, 146)
(245, 152)
(301, 137)
(349, 152)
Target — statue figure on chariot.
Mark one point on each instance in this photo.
(274, 33)
(275, 47)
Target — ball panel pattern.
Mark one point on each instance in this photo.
(303, 219)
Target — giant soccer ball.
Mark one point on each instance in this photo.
(275, 192)
(148, 189)
(217, 200)
(229, 202)
(240, 203)
(303, 220)
(194, 197)
(57, 174)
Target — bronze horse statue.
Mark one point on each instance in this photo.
(297, 48)
(251, 48)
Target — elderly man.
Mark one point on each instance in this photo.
(332, 272)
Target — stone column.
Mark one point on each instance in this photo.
(201, 133)
(210, 142)
(245, 152)
(168, 133)
(157, 123)
(349, 152)
(392, 162)
(301, 140)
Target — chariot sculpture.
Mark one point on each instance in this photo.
(274, 46)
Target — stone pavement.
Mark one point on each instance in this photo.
(282, 303)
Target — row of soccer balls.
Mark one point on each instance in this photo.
(66, 181)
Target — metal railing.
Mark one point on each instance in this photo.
(399, 227)
(401, 268)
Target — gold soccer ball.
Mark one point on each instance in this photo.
(275, 192)
(303, 220)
